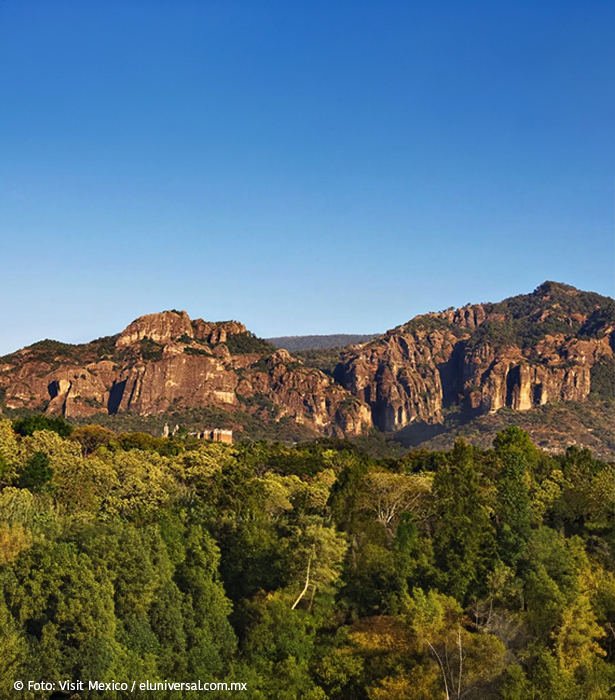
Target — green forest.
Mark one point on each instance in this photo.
(307, 572)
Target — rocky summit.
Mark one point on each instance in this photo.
(526, 351)
(554, 345)
(167, 362)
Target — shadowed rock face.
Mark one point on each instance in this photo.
(520, 353)
(167, 361)
(399, 376)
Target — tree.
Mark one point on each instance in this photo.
(31, 424)
(13, 651)
(279, 644)
(209, 636)
(387, 495)
(319, 551)
(559, 610)
(466, 661)
(37, 473)
(9, 453)
(91, 437)
(66, 610)
(518, 458)
(464, 542)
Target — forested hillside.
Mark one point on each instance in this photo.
(309, 572)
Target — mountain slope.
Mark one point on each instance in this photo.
(520, 353)
(167, 362)
(552, 427)
(428, 379)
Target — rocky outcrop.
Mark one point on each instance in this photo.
(161, 328)
(520, 353)
(483, 357)
(214, 333)
(402, 376)
(163, 362)
(308, 396)
(557, 369)
(170, 326)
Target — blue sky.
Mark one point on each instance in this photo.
(304, 167)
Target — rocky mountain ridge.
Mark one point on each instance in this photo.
(167, 361)
(554, 345)
(520, 353)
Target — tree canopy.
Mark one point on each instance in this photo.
(308, 572)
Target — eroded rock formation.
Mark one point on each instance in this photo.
(520, 353)
(523, 352)
(165, 361)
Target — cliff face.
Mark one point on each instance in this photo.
(558, 369)
(523, 352)
(526, 351)
(400, 376)
(166, 361)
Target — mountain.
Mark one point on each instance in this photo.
(553, 345)
(166, 362)
(296, 343)
(439, 374)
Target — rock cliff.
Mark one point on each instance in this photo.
(553, 345)
(520, 353)
(166, 361)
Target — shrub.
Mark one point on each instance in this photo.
(245, 343)
(150, 350)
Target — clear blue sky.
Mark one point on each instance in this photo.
(304, 167)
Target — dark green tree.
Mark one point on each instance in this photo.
(518, 458)
(464, 542)
(37, 473)
(27, 426)
(65, 611)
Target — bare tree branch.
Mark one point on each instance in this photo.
(307, 581)
(441, 668)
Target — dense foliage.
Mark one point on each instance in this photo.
(244, 343)
(307, 572)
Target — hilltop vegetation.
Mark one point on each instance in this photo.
(299, 343)
(312, 572)
(55, 352)
(552, 308)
